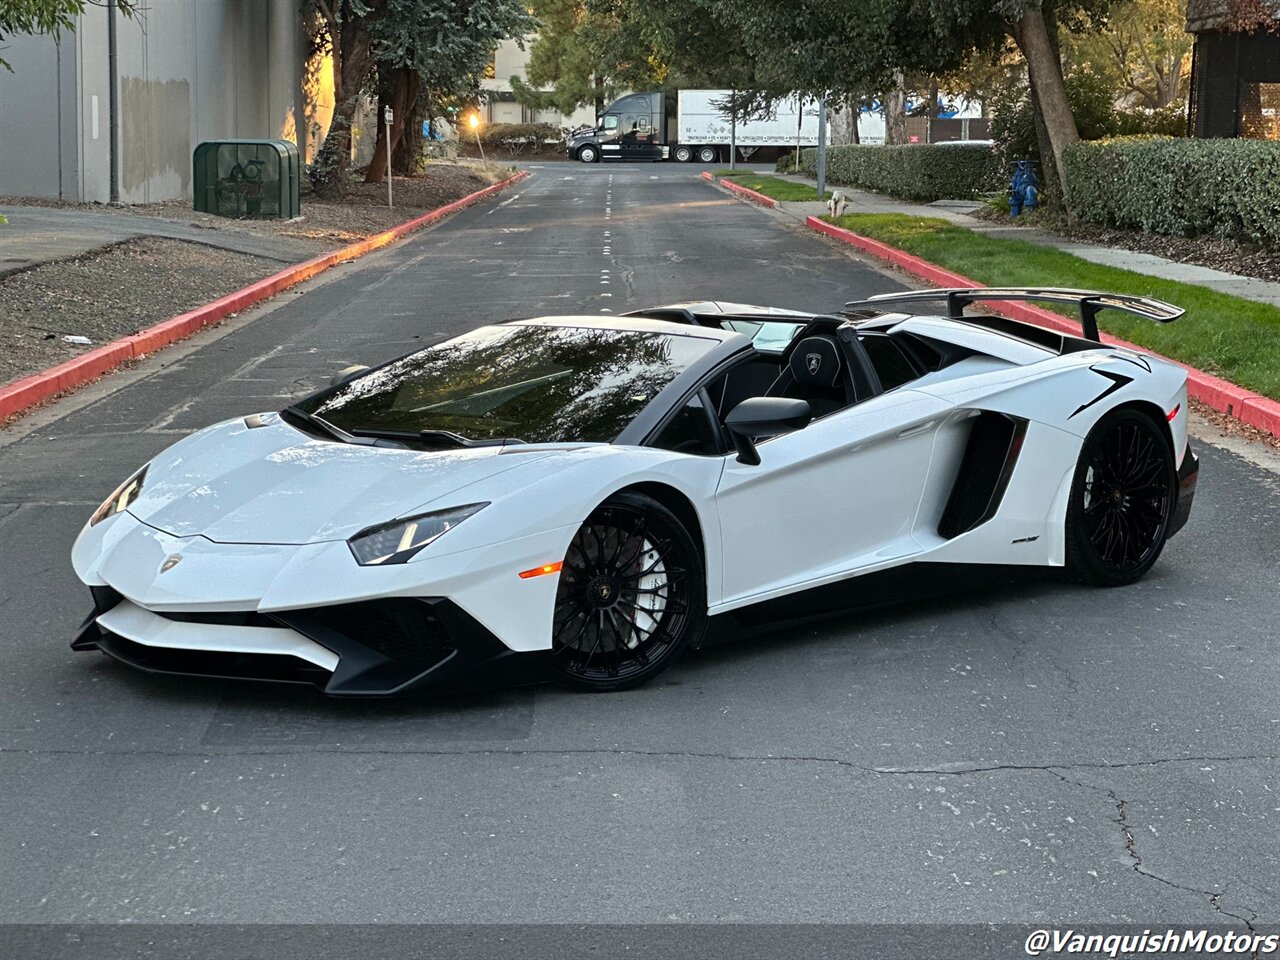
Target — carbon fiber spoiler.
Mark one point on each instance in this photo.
(1089, 302)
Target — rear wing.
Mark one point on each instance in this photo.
(1089, 302)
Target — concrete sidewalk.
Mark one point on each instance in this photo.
(37, 235)
(959, 212)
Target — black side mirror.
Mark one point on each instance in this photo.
(347, 373)
(759, 418)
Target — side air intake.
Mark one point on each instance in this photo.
(995, 441)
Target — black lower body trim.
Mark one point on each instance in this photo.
(1188, 475)
(391, 646)
(911, 582)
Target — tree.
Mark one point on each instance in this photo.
(438, 48)
(590, 51)
(838, 44)
(1143, 50)
(43, 16)
(345, 35)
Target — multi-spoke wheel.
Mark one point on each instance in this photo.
(1118, 516)
(631, 595)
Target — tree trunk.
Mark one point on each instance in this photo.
(397, 89)
(895, 112)
(1050, 188)
(352, 60)
(406, 161)
(1044, 69)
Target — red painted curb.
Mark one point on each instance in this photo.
(19, 395)
(1234, 400)
(706, 175)
(749, 194)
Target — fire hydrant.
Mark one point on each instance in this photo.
(1024, 193)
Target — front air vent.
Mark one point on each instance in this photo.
(995, 441)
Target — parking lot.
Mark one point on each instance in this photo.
(1045, 753)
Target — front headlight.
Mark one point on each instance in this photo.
(120, 499)
(397, 541)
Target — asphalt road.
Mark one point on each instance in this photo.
(1040, 755)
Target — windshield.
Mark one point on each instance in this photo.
(532, 383)
(770, 336)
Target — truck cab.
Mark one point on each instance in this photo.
(632, 128)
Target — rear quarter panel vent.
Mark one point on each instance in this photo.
(995, 440)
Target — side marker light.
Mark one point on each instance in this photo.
(541, 571)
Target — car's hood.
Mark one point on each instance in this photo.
(273, 484)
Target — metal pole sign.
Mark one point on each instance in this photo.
(389, 117)
(822, 145)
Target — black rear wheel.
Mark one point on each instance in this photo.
(631, 596)
(1118, 516)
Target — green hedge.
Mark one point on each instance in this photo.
(920, 172)
(1179, 187)
(516, 138)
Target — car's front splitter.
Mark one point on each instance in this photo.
(397, 645)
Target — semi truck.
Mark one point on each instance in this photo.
(642, 126)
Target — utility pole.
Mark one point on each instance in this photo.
(733, 129)
(822, 145)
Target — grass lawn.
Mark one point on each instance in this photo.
(772, 186)
(1232, 338)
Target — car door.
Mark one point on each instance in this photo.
(840, 495)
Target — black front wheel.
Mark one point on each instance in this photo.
(631, 597)
(1121, 500)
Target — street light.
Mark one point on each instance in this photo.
(474, 120)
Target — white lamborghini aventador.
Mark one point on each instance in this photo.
(579, 497)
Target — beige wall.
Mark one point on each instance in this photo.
(189, 71)
(508, 61)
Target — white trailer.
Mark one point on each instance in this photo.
(704, 132)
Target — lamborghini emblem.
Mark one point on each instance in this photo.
(170, 562)
(814, 362)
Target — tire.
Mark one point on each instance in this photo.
(632, 596)
(684, 154)
(707, 154)
(1121, 500)
(588, 154)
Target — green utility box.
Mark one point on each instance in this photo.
(247, 179)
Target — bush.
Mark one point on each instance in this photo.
(920, 172)
(1170, 121)
(515, 138)
(1092, 103)
(1179, 187)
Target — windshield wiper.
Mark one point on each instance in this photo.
(318, 425)
(432, 438)
(457, 439)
